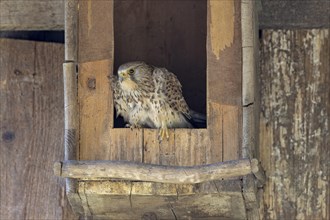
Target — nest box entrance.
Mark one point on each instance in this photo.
(170, 34)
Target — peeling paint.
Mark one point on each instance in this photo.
(295, 122)
(222, 15)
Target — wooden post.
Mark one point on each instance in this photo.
(71, 116)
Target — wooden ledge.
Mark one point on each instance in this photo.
(125, 170)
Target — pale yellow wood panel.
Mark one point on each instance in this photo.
(125, 144)
(151, 151)
(96, 112)
(232, 130)
(191, 146)
(215, 132)
(159, 152)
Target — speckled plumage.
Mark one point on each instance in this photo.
(147, 96)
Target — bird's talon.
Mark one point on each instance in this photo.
(163, 133)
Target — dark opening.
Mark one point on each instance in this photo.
(168, 33)
(45, 36)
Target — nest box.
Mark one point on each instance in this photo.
(114, 172)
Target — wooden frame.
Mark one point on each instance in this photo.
(89, 131)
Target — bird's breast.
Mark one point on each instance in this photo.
(128, 85)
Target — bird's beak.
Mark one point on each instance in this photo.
(122, 75)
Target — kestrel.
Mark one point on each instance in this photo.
(148, 96)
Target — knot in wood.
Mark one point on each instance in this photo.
(91, 83)
(8, 136)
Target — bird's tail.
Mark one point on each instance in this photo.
(198, 120)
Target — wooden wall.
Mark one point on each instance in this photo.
(31, 128)
(294, 123)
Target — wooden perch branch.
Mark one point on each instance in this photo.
(152, 173)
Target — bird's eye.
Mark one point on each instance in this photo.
(131, 71)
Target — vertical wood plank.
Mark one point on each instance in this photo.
(250, 102)
(167, 150)
(232, 132)
(215, 132)
(31, 115)
(184, 147)
(71, 29)
(95, 27)
(294, 123)
(125, 144)
(96, 111)
(224, 58)
(224, 75)
(159, 152)
(151, 151)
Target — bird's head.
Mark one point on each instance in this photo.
(130, 74)
(129, 70)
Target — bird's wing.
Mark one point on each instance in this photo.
(120, 105)
(170, 87)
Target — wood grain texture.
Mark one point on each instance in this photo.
(294, 123)
(95, 109)
(250, 112)
(49, 14)
(232, 132)
(34, 15)
(95, 30)
(125, 144)
(284, 14)
(186, 147)
(71, 30)
(224, 63)
(162, 201)
(32, 119)
(71, 115)
(126, 170)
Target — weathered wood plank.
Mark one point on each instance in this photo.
(294, 123)
(152, 172)
(283, 14)
(250, 51)
(161, 201)
(232, 132)
(159, 152)
(95, 30)
(215, 132)
(151, 149)
(31, 15)
(95, 109)
(185, 147)
(71, 30)
(224, 52)
(49, 15)
(31, 115)
(124, 144)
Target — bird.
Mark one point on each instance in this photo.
(147, 96)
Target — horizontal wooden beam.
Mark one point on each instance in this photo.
(293, 14)
(49, 14)
(126, 170)
(31, 15)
